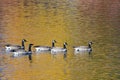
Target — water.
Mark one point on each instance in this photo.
(73, 21)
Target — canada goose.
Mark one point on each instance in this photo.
(44, 48)
(11, 48)
(59, 49)
(84, 48)
(19, 52)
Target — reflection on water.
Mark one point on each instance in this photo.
(73, 21)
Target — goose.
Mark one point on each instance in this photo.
(59, 49)
(23, 52)
(44, 48)
(83, 48)
(11, 48)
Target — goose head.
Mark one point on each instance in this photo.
(23, 41)
(65, 44)
(30, 45)
(53, 43)
(89, 44)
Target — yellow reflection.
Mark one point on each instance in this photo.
(74, 21)
(35, 24)
(40, 27)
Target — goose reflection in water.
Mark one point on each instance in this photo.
(64, 54)
(83, 53)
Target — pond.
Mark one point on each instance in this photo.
(73, 21)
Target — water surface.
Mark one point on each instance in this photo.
(73, 21)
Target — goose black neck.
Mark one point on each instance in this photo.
(89, 45)
(53, 44)
(64, 46)
(23, 46)
(29, 49)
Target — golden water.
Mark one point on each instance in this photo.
(73, 21)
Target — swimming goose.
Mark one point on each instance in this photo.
(59, 49)
(22, 51)
(84, 48)
(11, 48)
(44, 48)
